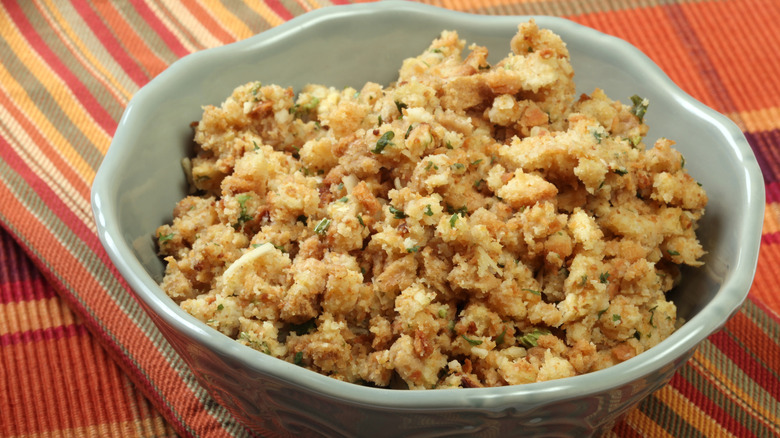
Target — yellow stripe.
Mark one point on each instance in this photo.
(186, 43)
(266, 12)
(88, 60)
(726, 385)
(237, 28)
(71, 107)
(644, 425)
(765, 119)
(691, 413)
(41, 314)
(771, 218)
(194, 27)
(42, 166)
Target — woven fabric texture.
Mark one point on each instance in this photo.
(78, 356)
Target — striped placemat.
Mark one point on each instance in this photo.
(78, 357)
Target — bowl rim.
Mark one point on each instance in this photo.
(536, 394)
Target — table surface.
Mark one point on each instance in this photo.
(77, 355)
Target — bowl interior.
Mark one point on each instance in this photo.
(141, 178)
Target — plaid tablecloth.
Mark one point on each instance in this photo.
(78, 357)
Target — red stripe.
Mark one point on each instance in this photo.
(770, 238)
(624, 430)
(742, 359)
(711, 409)
(280, 10)
(26, 290)
(47, 334)
(55, 204)
(111, 44)
(154, 22)
(93, 107)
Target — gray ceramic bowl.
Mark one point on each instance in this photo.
(140, 181)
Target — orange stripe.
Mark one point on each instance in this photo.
(176, 31)
(765, 119)
(728, 385)
(60, 92)
(238, 28)
(771, 218)
(208, 22)
(130, 39)
(65, 174)
(27, 316)
(644, 425)
(78, 50)
(264, 11)
(691, 413)
(724, 25)
(180, 397)
(767, 272)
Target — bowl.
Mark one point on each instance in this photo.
(140, 181)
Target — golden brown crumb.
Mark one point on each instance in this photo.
(469, 225)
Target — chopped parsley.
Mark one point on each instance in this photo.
(243, 216)
(616, 317)
(500, 338)
(531, 339)
(162, 238)
(322, 226)
(408, 131)
(415, 248)
(400, 106)
(360, 219)
(604, 277)
(383, 142)
(398, 214)
(535, 292)
(298, 358)
(472, 341)
(598, 135)
(453, 219)
(672, 252)
(620, 172)
(428, 211)
(639, 107)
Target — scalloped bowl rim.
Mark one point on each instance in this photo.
(680, 342)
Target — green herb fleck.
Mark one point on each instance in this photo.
(652, 315)
(344, 199)
(383, 142)
(672, 252)
(442, 312)
(500, 338)
(453, 219)
(298, 358)
(478, 183)
(472, 341)
(360, 219)
(408, 131)
(531, 339)
(322, 226)
(399, 106)
(639, 107)
(220, 306)
(620, 172)
(162, 238)
(458, 166)
(616, 317)
(535, 292)
(415, 248)
(448, 145)
(583, 280)
(604, 277)
(428, 211)
(601, 312)
(243, 216)
(398, 214)
(598, 135)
